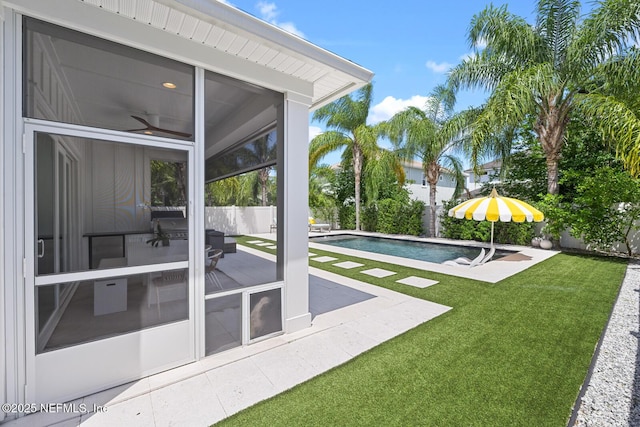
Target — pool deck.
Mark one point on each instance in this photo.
(211, 389)
(349, 318)
(491, 272)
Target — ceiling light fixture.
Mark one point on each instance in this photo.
(169, 85)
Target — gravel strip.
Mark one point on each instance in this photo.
(611, 398)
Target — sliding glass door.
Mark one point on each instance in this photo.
(58, 243)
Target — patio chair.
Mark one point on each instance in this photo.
(313, 226)
(487, 258)
(210, 268)
(461, 261)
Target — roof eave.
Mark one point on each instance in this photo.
(228, 16)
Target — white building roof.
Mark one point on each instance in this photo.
(235, 35)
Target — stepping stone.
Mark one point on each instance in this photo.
(264, 244)
(253, 242)
(418, 282)
(378, 272)
(348, 264)
(324, 259)
(271, 247)
(312, 254)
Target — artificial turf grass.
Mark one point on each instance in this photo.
(511, 353)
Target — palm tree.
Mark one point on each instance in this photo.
(616, 106)
(168, 183)
(542, 70)
(431, 135)
(322, 198)
(261, 151)
(346, 119)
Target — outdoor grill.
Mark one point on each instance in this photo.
(173, 223)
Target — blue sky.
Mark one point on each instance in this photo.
(409, 44)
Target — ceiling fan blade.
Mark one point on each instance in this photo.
(141, 120)
(173, 132)
(151, 128)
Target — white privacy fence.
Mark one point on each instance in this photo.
(233, 220)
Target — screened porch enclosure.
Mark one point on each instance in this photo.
(115, 143)
(117, 116)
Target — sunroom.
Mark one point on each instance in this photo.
(103, 103)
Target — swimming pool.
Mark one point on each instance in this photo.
(422, 251)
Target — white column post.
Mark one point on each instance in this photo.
(293, 201)
(12, 221)
(3, 345)
(197, 218)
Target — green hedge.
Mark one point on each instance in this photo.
(504, 232)
(388, 216)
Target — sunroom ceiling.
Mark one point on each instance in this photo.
(227, 29)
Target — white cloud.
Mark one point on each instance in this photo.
(466, 56)
(481, 44)
(314, 131)
(269, 12)
(438, 68)
(390, 106)
(290, 27)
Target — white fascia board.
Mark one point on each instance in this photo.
(253, 27)
(346, 90)
(90, 19)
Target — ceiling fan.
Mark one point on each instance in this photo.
(150, 129)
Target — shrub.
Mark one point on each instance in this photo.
(504, 232)
(369, 218)
(397, 217)
(347, 216)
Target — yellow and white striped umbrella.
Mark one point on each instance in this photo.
(496, 208)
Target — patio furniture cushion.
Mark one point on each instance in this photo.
(229, 245)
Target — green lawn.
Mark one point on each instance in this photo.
(511, 353)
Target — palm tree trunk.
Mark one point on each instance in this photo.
(179, 169)
(263, 175)
(432, 173)
(357, 172)
(552, 176)
(550, 128)
(432, 204)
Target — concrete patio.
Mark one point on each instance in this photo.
(349, 317)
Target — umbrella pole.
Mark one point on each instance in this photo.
(492, 222)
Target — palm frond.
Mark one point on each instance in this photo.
(481, 71)
(620, 77)
(366, 138)
(377, 170)
(454, 165)
(518, 95)
(505, 34)
(326, 143)
(618, 123)
(609, 30)
(347, 113)
(440, 102)
(557, 21)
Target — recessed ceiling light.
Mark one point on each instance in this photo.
(148, 132)
(169, 85)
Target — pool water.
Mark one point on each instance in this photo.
(422, 251)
